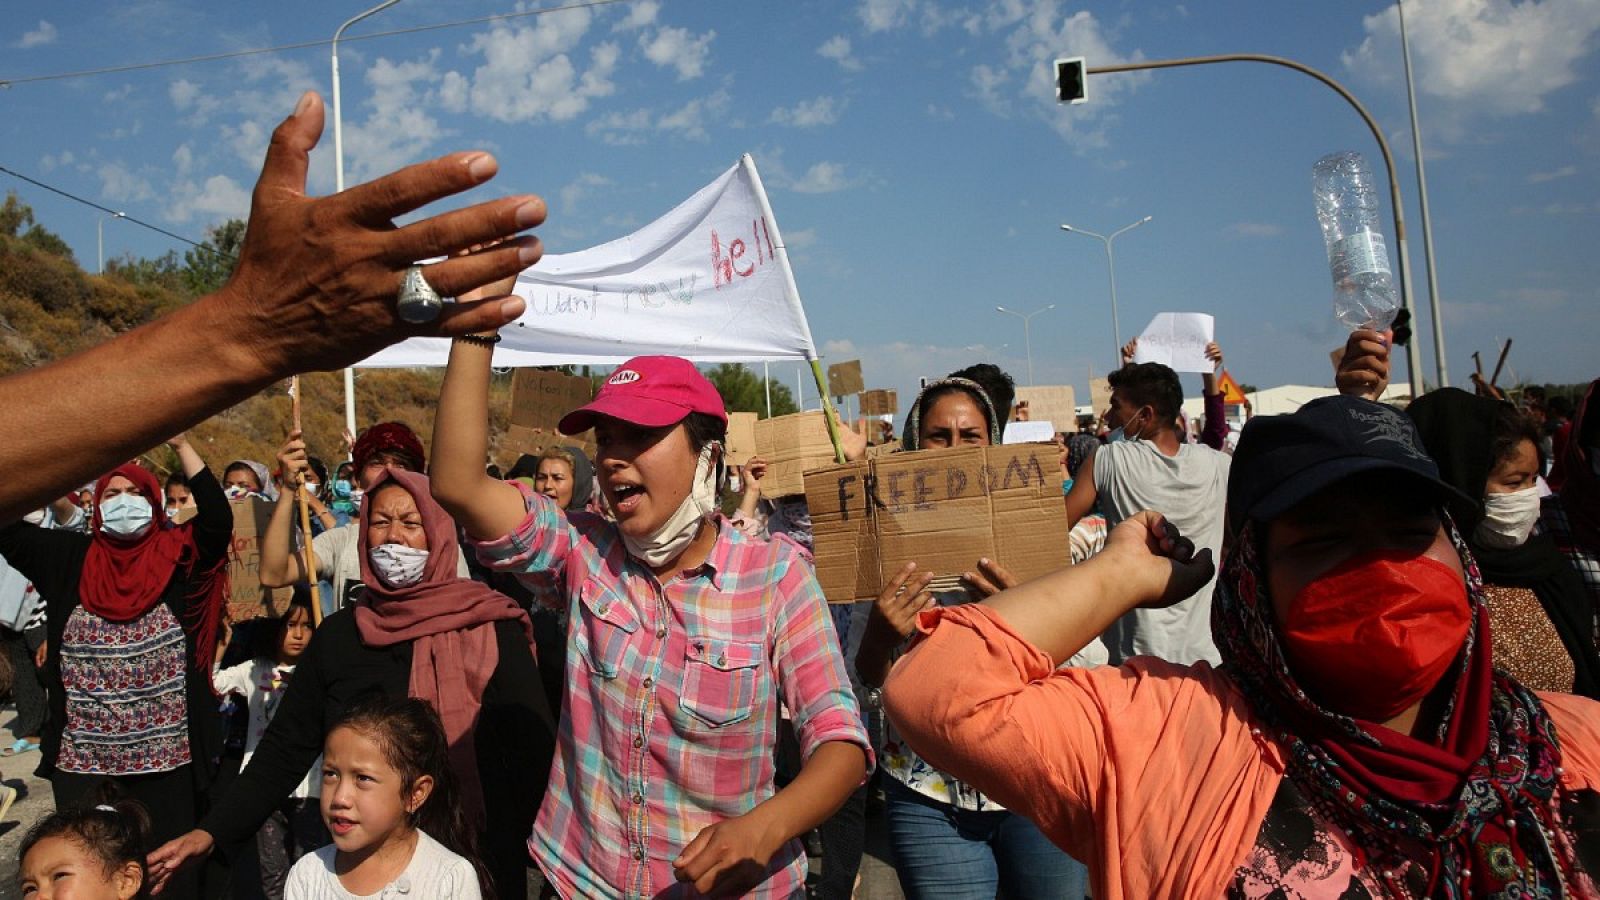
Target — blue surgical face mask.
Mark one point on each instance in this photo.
(1116, 435)
(126, 516)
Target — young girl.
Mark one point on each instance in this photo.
(87, 853)
(388, 797)
(295, 827)
(683, 636)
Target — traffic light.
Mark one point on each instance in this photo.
(1071, 80)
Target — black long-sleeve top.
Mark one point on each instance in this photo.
(53, 561)
(515, 736)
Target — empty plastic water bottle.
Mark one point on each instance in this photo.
(1348, 210)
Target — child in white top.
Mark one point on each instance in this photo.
(295, 828)
(386, 785)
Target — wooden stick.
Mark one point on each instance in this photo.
(1477, 363)
(308, 558)
(1499, 365)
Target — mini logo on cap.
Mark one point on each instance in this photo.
(624, 376)
(1384, 424)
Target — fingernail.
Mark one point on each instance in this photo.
(983, 560)
(530, 214)
(304, 104)
(482, 166)
(512, 307)
(529, 254)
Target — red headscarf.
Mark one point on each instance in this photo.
(449, 622)
(124, 579)
(389, 437)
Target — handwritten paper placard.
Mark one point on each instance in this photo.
(1178, 341)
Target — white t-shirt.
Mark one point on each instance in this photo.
(434, 873)
(339, 559)
(262, 683)
(1191, 490)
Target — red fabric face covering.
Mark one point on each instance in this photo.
(1373, 635)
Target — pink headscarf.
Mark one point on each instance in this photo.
(449, 622)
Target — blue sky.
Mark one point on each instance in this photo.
(917, 161)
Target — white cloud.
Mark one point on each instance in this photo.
(118, 95)
(940, 112)
(809, 113)
(688, 121)
(48, 162)
(882, 15)
(183, 93)
(454, 92)
(120, 184)
(529, 74)
(801, 239)
(837, 48)
(1254, 230)
(398, 128)
(823, 178)
(218, 198)
(679, 49)
(639, 15)
(39, 37)
(574, 192)
(1563, 172)
(1482, 57)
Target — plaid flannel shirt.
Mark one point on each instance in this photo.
(672, 695)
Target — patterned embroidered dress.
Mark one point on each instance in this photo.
(124, 685)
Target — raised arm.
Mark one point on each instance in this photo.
(280, 566)
(486, 507)
(316, 280)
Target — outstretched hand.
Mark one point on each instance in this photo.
(1364, 368)
(317, 278)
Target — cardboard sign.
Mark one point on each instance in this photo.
(942, 509)
(792, 445)
(741, 437)
(184, 514)
(1051, 403)
(539, 398)
(249, 599)
(1100, 395)
(844, 379)
(878, 402)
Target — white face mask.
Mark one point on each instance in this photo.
(1508, 519)
(397, 565)
(126, 516)
(665, 543)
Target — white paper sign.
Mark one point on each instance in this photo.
(1178, 341)
(1028, 433)
(704, 282)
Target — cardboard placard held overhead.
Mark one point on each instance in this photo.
(942, 509)
(1100, 395)
(844, 379)
(1057, 404)
(540, 398)
(248, 598)
(879, 402)
(792, 445)
(741, 437)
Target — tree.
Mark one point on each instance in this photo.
(164, 271)
(14, 214)
(208, 266)
(744, 391)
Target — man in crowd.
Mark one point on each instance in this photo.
(1151, 468)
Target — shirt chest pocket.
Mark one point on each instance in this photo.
(605, 623)
(720, 680)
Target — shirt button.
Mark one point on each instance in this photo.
(661, 631)
(722, 660)
(638, 798)
(638, 742)
(638, 854)
(649, 683)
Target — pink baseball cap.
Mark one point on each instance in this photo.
(652, 391)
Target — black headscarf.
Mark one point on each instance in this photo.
(1456, 429)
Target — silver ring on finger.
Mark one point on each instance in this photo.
(417, 302)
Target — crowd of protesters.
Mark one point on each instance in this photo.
(1354, 656)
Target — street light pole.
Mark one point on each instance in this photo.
(1111, 266)
(1027, 335)
(1422, 197)
(100, 239)
(338, 186)
(1413, 353)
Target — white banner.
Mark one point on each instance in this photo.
(708, 281)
